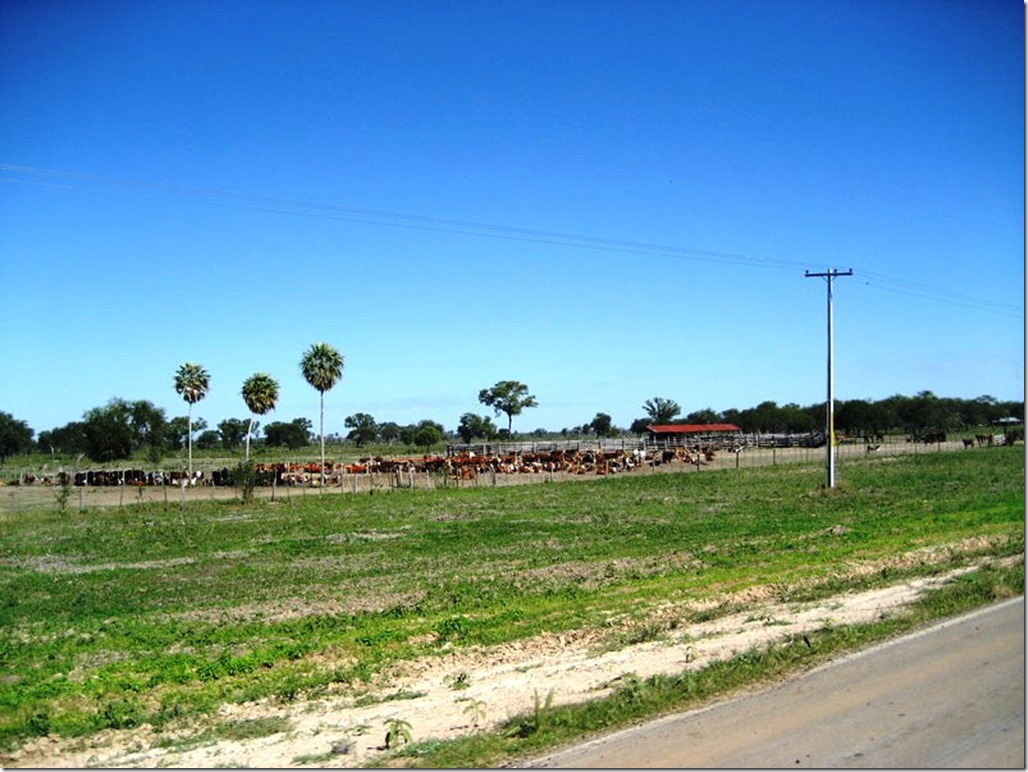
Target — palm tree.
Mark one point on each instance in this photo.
(322, 366)
(193, 383)
(260, 393)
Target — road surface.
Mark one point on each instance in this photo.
(950, 696)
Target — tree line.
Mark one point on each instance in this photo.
(913, 416)
(121, 429)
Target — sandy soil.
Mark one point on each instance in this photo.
(464, 690)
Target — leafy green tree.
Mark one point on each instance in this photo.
(44, 443)
(602, 424)
(176, 431)
(199, 425)
(406, 434)
(322, 367)
(661, 411)
(922, 412)
(118, 429)
(71, 438)
(260, 393)
(1012, 410)
(979, 412)
(15, 436)
(292, 435)
(428, 433)
(363, 428)
(766, 417)
(509, 397)
(639, 426)
(232, 432)
(389, 431)
(208, 439)
(705, 416)
(799, 420)
(731, 416)
(148, 428)
(854, 416)
(472, 426)
(192, 383)
(409, 433)
(108, 431)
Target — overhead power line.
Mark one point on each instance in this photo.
(369, 216)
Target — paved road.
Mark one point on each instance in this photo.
(951, 696)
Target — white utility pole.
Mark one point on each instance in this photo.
(830, 403)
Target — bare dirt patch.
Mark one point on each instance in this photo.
(464, 690)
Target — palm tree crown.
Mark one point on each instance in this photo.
(322, 366)
(192, 382)
(260, 393)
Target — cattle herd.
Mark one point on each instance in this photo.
(466, 465)
(459, 466)
(463, 465)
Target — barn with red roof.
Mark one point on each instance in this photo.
(693, 433)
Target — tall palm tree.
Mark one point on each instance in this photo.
(260, 393)
(322, 366)
(193, 383)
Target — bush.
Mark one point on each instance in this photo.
(244, 479)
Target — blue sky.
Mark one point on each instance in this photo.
(608, 201)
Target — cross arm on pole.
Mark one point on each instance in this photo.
(829, 274)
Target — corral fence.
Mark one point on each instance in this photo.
(715, 440)
(507, 463)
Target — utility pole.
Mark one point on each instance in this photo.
(830, 403)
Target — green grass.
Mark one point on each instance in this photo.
(246, 729)
(111, 618)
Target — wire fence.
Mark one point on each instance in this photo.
(22, 497)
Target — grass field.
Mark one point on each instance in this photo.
(154, 613)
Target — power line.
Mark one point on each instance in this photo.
(368, 216)
(557, 239)
(931, 293)
(466, 226)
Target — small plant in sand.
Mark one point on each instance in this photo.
(476, 709)
(397, 731)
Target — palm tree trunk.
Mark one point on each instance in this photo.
(249, 431)
(322, 429)
(189, 440)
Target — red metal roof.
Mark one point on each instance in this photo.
(692, 428)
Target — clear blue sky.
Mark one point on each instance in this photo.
(608, 201)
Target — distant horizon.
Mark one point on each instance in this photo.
(262, 421)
